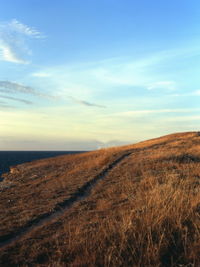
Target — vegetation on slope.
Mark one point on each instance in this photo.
(145, 212)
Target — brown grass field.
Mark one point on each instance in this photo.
(144, 210)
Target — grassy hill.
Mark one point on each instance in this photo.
(136, 205)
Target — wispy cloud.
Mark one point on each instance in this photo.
(196, 93)
(193, 93)
(13, 41)
(13, 87)
(41, 74)
(104, 76)
(19, 27)
(86, 103)
(17, 99)
(168, 85)
(4, 105)
(8, 54)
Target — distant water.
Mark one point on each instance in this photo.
(12, 158)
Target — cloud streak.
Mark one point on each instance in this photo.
(13, 87)
(17, 99)
(86, 103)
(4, 105)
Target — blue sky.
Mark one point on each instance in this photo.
(89, 74)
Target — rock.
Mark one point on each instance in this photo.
(14, 170)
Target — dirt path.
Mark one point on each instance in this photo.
(60, 208)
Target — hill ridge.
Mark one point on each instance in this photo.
(143, 211)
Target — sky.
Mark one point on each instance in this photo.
(81, 75)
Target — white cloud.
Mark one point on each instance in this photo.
(17, 26)
(196, 93)
(41, 74)
(8, 54)
(13, 41)
(193, 93)
(168, 85)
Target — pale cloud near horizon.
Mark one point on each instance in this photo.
(13, 41)
(34, 143)
(91, 123)
(153, 111)
(184, 119)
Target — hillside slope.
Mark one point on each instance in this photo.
(135, 205)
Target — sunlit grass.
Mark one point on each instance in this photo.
(145, 212)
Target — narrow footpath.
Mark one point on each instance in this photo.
(60, 208)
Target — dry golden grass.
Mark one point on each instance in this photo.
(37, 187)
(145, 212)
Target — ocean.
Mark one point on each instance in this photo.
(12, 158)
